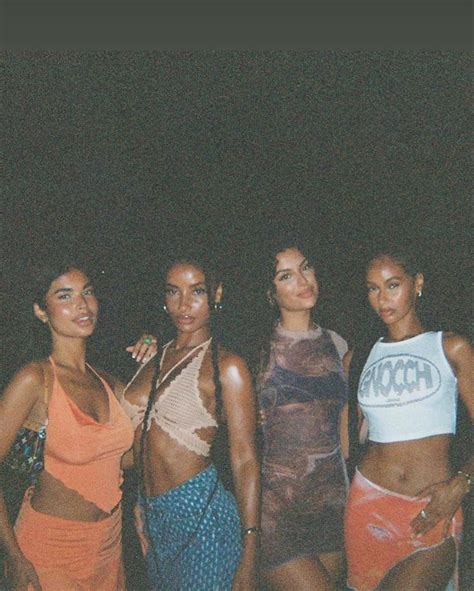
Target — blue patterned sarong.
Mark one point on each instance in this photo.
(194, 536)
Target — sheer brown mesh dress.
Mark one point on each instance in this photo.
(304, 480)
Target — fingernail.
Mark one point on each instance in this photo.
(133, 355)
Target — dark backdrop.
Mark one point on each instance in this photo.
(119, 156)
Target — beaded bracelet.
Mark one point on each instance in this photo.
(251, 530)
(467, 476)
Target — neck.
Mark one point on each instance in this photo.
(296, 321)
(402, 331)
(70, 353)
(189, 340)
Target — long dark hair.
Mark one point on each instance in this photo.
(210, 270)
(31, 340)
(268, 312)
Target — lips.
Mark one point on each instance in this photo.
(385, 312)
(85, 320)
(185, 319)
(306, 293)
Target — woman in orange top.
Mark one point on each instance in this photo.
(68, 532)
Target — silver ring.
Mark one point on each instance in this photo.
(423, 514)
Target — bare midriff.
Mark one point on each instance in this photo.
(52, 497)
(167, 463)
(408, 467)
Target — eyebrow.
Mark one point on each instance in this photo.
(286, 270)
(399, 277)
(69, 289)
(203, 283)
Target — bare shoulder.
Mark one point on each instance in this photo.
(231, 365)
(31, 375)
(27, 384)
(456, 347)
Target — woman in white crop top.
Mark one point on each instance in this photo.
(403, 519)
(194, 533)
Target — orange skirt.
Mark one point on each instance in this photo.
(378, 532)
(72, 555)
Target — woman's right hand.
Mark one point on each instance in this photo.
(23, 575)
(144, 349)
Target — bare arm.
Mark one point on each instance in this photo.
(344, 419)
(16, 403)
(446, 497)
(240, 409)
(460, 355)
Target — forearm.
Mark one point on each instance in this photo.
(247, 491)
(7, 534)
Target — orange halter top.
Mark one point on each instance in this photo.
(82, 453)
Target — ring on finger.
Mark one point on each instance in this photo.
(148, 340)
(423, 514)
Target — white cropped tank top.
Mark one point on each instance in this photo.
(178, 410)
(408, 390)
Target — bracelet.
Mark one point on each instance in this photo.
(251, 530)
(467, 476)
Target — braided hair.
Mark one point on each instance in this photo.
(211, 280)
(146, 419)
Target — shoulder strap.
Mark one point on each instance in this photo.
(47, 388)
(180, 361)
(140, 367)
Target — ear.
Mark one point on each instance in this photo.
(270, 297)
(419, 282)
(218, 294)
(40, 314)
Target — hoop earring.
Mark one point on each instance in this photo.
(419, 293)
(217, 307)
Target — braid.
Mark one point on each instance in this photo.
(215, 333)
(146, 419)
(220, 444)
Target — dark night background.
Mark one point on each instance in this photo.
(119, 156)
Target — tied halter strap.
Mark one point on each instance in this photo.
(179, 410)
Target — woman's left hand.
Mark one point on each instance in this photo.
(445, 498)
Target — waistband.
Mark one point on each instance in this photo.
(199, 487)
(69, 524)
(360, 479)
